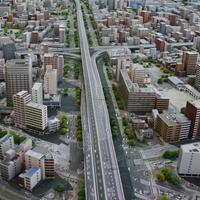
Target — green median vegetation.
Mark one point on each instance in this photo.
(107, 98)
(64, 125)
(130, 134)
(114, 127)
(89, 37)
(166, 174)
(78, 96)
(66, 70)
(118, 97)
(79, 135)
(171, 155)
(77, 69)
(109, 73)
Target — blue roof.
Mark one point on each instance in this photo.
(31, 171)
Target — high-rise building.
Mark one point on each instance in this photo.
(145, 15)
(18, 77)
(136, 99)
(193, 113)
(20, 100)
(60, 68)
(50, 81)
(50, 59)
(34, 37)
(2, 69)
(36, 117)
(197, 79)
(160, 44)
(189, 159)
(189, 60)
(37, 93)
(172, 19)
(8, 48)
(46, 15)
(57, 62)
(62, 34)
(196, 43)
(6, 143)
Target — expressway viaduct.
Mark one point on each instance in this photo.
(102, 177)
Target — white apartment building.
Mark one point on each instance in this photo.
(50, 81)
(6, 143)
(189, 159)
(36, 117)
(19, 101)
(11, 165)
(37, 93)
(30, 178)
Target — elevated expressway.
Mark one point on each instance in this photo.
(102, 177)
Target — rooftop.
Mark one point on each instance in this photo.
(41, 150)
(196, 103)
(34, 154)
(35, 105)
(193, 147)
(4, 138)
(175, 80)
(32, 171)
(37, 85)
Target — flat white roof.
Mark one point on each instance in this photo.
(37, 85)
(35, 105)
(191, 148)
(34, 154)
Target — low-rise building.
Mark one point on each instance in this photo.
(30, 178)
(6, 143)
(53, 124)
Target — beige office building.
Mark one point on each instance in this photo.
(36, 117)
(137, 74)
(18, 77)
(39, 157)
(20, 100)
